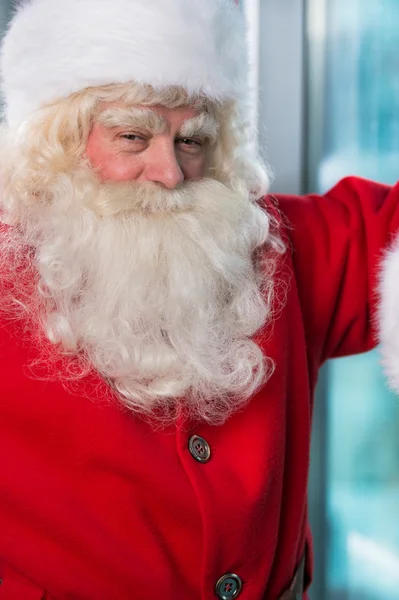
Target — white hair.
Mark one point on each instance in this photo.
(158, 291)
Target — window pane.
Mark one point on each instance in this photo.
(359, 134)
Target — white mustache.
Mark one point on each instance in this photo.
(144, 197)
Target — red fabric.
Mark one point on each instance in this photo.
(95, 505)
(13, 587)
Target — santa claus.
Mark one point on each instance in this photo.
(163, 320)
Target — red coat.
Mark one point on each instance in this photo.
(95, 505)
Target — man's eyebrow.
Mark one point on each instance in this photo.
(203, 125)
(133, 117)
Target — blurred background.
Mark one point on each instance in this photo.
(325, 81)
(325, 77)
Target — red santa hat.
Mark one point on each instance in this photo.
(56, 47)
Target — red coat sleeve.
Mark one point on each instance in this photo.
(338, 241)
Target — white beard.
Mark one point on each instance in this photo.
(156, 290)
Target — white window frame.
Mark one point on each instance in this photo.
(281, 65)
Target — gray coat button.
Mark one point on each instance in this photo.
(229, 586)
(199, 448)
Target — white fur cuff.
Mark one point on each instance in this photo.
(388, 316)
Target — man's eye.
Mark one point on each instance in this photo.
(190, 142)
(190, 145)
(132, 137)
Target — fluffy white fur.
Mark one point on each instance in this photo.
(388, 318)
(54, 48)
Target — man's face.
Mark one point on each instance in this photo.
(150, 144)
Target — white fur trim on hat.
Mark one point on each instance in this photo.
(389, 315)
(56, 47)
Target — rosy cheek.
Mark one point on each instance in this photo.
(109, 164)
(200, 168)
(118, 169)
(195, 169)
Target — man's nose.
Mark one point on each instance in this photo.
(163, 166)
